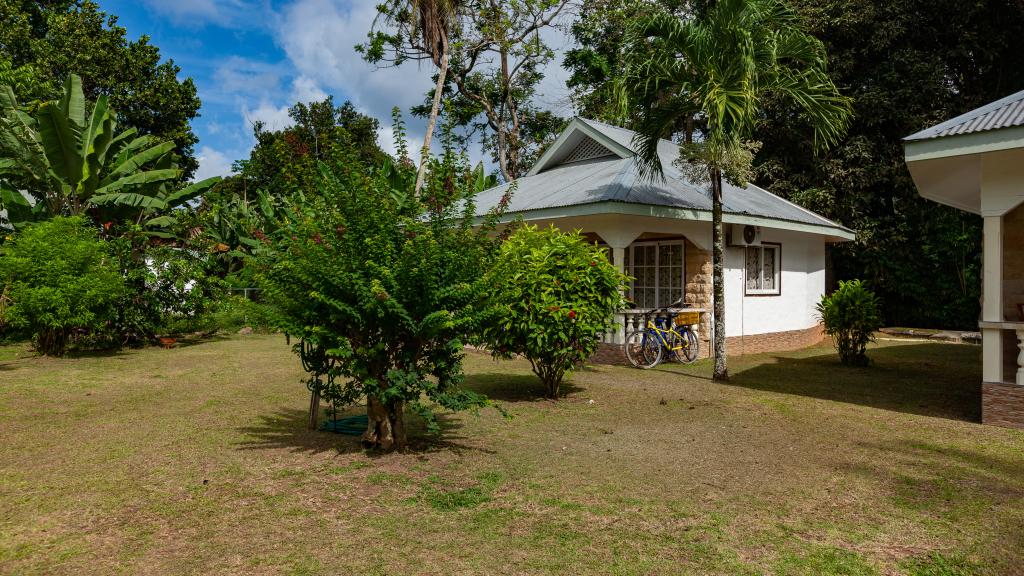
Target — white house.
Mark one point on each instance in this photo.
(659, 232)
(975, 162)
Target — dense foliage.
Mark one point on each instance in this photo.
(552, 296)
(72, 163)
(907, 65)
(61, 283)
(382, 288)
(42, 43)
(851, 315)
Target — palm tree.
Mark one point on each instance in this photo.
(428, 25)
(716, 70)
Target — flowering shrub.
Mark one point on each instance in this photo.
(552, 297)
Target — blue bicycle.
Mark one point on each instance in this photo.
(665, 335)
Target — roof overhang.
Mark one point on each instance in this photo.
(831, 233)
(949, 169)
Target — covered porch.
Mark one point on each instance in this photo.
(975, 162)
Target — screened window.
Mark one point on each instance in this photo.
(763, 272)
(657, 269)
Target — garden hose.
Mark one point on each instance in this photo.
(351, 426)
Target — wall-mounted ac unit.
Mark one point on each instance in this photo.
(744, 235)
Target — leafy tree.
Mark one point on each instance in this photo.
(381, 288)
(71, 163)
(496, 62)
(851, 315)
(552, 297)
(62, 282)
(907, 65)
(718, 68)
(284, 161)
(42, 43)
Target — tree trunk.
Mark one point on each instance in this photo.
(386, 427)
(442, 72)
(721, 372)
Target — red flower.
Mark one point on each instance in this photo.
(592, 263)
(317, 238)
(572, 314)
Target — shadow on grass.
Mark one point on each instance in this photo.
(287, 430)
(941, 380)
(967, 487)
(512, 388)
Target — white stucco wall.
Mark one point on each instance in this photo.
(803, 283)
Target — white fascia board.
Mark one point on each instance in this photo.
(964, 144)
(832, 233)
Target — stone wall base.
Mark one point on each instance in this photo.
(1002, 405)
(734, 345)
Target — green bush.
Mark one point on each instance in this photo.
(382, 288)
(552, 296)
(851, 315)
(62, 283)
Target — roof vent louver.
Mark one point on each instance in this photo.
(586, 150)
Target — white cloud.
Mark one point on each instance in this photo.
(305, 89)
(211, 163)
(319, 37)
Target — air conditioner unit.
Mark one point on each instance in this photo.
(744, 235)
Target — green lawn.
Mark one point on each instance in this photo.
(197, 460)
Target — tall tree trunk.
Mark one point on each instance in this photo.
(442, 73)
(386, 427)
(721, 372)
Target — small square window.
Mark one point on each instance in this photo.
(763, 271)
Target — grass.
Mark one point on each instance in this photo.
(197, 460)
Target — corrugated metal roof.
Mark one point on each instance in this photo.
(1004, 113)
(616, 179)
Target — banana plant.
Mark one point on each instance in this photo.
(71, 163)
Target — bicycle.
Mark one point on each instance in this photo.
(666, 335)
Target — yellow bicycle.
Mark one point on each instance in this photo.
(665, 335)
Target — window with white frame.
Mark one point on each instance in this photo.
(657, 271)
(763, 272)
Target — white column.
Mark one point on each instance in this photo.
(992, 279)
(619, 258)
(1020, 358)
(992, 300)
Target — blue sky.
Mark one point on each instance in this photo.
(251, 59)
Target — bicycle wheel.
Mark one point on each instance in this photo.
(643, 350)
(691, 347)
